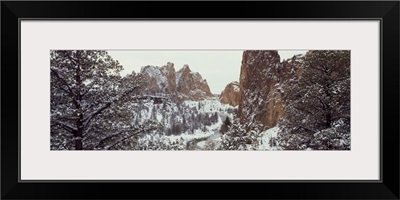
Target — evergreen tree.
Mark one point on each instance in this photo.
(237, 138)
(225, 126)
(318, 104)
(89, 101)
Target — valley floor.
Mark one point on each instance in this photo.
(208, 137)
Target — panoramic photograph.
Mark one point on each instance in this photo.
(204, 100)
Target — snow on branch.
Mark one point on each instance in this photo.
(70, 92)
(106, 105)
(66, 126)
(122, 135)
(87, 119)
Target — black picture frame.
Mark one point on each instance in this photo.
(386, 11)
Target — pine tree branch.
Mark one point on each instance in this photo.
(130, 136)
(322, 102)
(308, 129)
(303, 110)
(106, 105)
(65, 118)
(54, 71)
(89, 88)
(87, 120)
(64, 82)
(65, 126)
(121, 136)
(72, 59)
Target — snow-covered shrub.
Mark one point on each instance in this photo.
(159, 142)
(335, 138)
(211, 145)
(238, 138)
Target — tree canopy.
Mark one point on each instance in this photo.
(87, 96)
(318, 103)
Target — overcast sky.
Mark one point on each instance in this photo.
(218, 67)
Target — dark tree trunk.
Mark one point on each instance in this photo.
(78, 144)
(79, 134)
(328, 119)
(78, 138)
(328, 115)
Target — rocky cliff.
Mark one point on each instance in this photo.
(231, 94)
(191, 85)
(262, 78)
(159, 79)
(181, 85)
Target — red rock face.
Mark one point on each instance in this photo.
(159, 79)
(169, 72)
(191, 85)
(261, 79)
(181, 85)
(231, 94)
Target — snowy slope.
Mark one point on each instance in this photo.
(266, 137)
(183, 115)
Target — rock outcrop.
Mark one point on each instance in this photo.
(262, 77)
(159, 79)
(231, 94)
(191, 85)
(181, 85)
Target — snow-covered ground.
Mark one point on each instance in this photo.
(172, 114)
(209, 105)
(186, 114)
(266, 138)
(210, 130)
(201, 144)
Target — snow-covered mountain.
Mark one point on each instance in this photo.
(159, 79)
(191, 85)
(179, 85)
